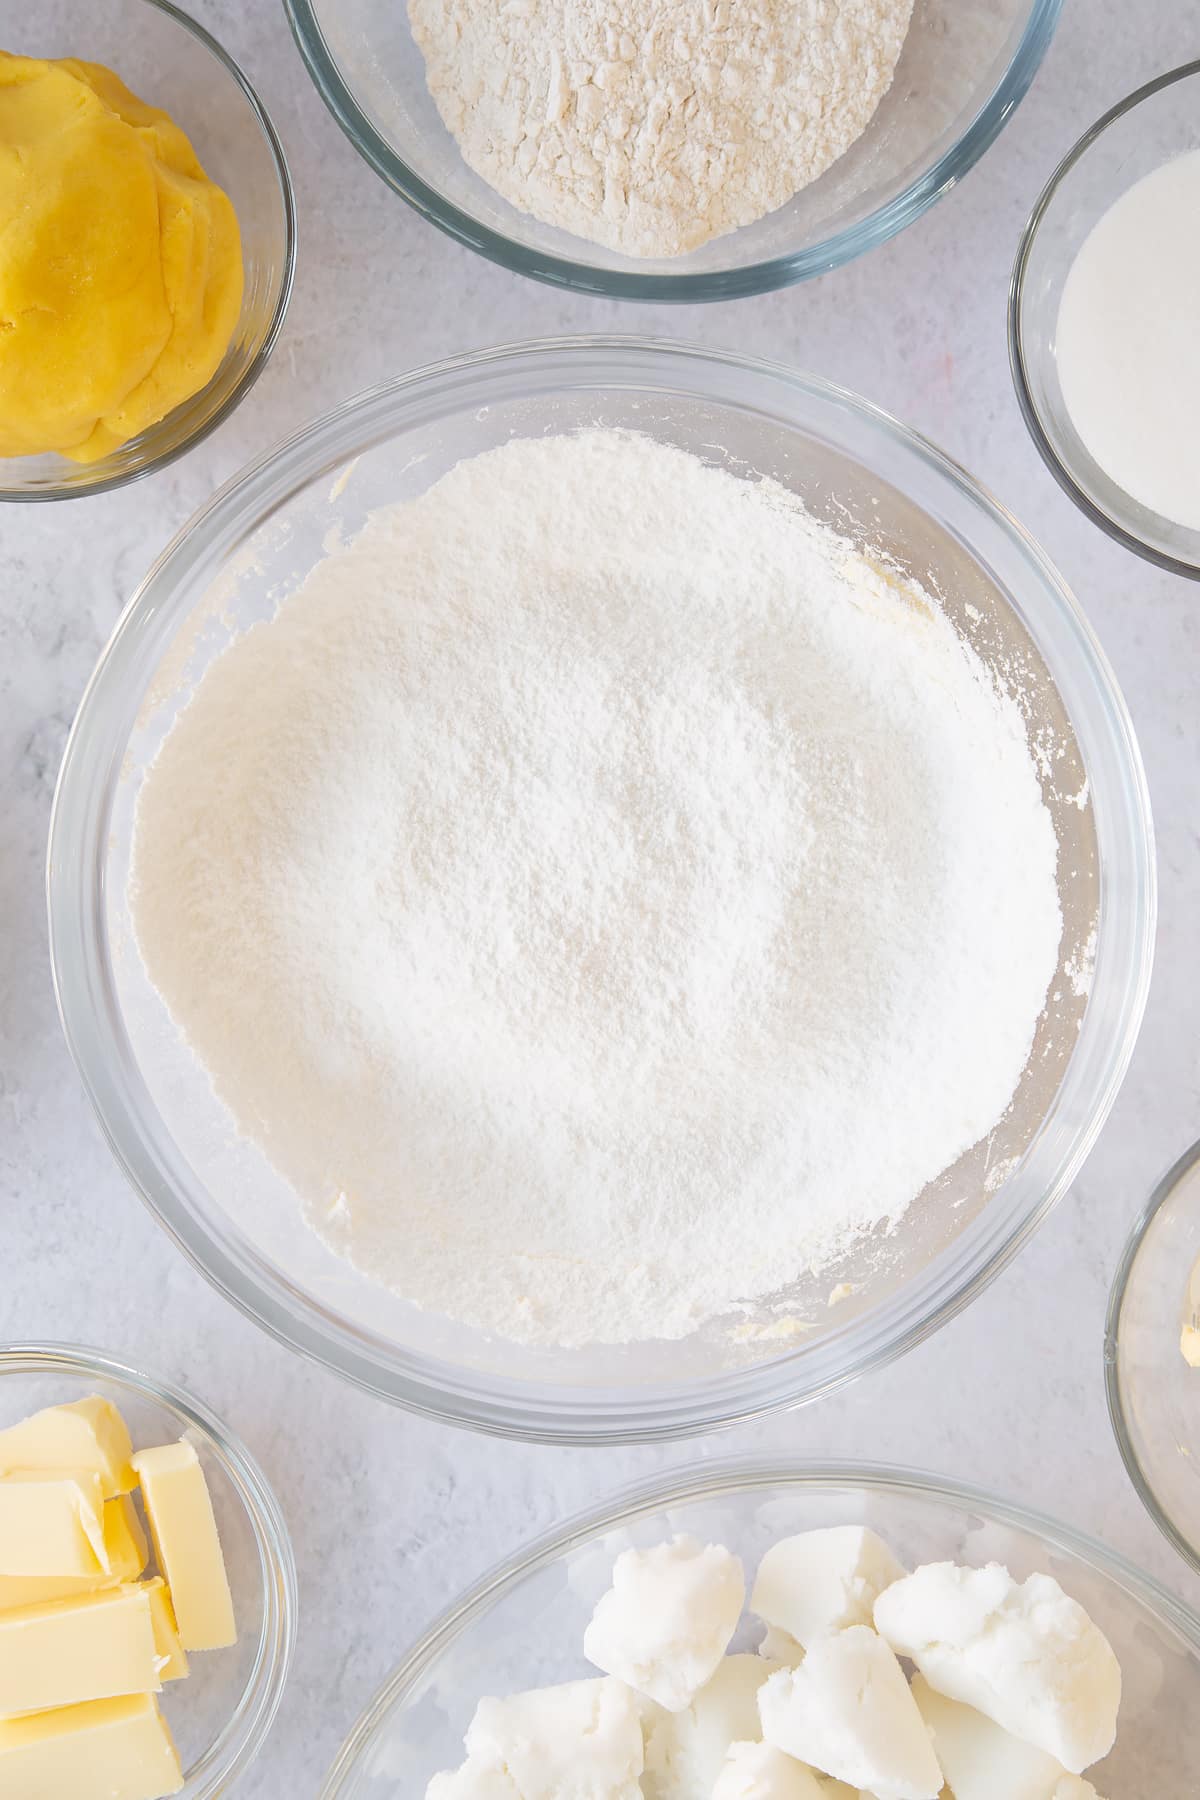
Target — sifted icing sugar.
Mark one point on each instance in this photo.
(601, 891)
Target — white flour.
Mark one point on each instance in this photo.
(601, 892)
(651, 126)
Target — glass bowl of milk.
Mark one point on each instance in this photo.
(1104, 322)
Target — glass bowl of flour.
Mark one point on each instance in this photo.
(523, 1624)
(602, 890)
(693, 153)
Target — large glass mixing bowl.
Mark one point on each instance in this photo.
(258, 538)
(965, 67)
(523, 1625)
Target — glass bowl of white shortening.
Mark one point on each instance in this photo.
(522, 1626)
(257, 540)
(965, 67)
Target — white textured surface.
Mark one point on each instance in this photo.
(391, 1516)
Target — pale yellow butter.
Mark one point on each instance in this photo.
(172, 1658)
(124, 1539)
(52, 1524)
(94, 1647)
(187, 1545)
(83, 1434)
(105, 1750)
(125, 1545)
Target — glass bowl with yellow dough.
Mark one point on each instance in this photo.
(220, 1715)
(148, 234)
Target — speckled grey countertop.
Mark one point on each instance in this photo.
(390, 1515)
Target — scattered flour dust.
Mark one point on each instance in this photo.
(651, 126)
(601, 892)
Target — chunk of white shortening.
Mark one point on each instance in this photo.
(580, 1741)
(847, 1711)
(823, 1581)
(667, 1619)
(761, 1772)
(1022, 1653)
(473, 1781)
(685, 1750)
(982, 1761)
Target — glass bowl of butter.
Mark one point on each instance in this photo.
(141, 146)
(1152, 1355)
(147, 1588)
(523, 1628)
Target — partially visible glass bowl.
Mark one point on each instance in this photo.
(1138, 135)
(966, 66)
(172, 62)
(221, 1714)
(258, 539)
(523, 1625)
(1153, 1394)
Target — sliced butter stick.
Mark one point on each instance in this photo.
(52, 1525)
(172, 1658)
(127, 1550)
(95, 1647)
(124, 1539)
(188, 1548)
(84, 1434)
(105, 1750)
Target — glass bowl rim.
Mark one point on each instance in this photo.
(254, 368)
(716, 1480)
(1019, 362)
(453, 1392)
(260, 1701)
(1118, 1415)
(756, 278)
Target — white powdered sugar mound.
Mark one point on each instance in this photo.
(602, 892)
(654, 125)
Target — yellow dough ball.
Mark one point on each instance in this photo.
(120, 262)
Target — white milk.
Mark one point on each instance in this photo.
(1128, 341)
